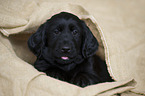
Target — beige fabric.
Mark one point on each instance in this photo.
(121, 35)
(18, 78)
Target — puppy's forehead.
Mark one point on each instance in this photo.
(66, 16)
(64, 21)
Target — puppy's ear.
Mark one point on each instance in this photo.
(90, 43)
(37, 41)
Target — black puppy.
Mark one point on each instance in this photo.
(65, 49)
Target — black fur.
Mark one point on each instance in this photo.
(65, 49)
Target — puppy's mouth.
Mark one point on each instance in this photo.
(64, 58)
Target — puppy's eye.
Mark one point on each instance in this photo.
(74, 32)
(57, 31)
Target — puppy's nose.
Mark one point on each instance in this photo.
(65, 49)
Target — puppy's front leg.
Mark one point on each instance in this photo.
(83, 79)
(56, 73)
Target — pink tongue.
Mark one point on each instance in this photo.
(64, 58)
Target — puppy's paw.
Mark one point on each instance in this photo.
(83, 80)
(56, 74)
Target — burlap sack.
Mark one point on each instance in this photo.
(120, 38)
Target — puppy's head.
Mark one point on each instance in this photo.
(63, 40)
